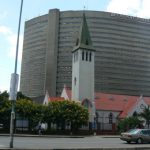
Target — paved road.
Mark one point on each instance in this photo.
(48, 142)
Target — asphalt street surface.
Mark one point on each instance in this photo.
(49, 142)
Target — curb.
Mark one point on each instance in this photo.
(50, 136)
(134, 148)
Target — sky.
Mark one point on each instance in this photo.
(9, 18)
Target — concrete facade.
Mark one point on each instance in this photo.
(34, 57)
(122, 59)
(52, 52)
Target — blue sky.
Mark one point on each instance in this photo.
(9, 15)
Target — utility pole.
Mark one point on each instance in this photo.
(14, 84)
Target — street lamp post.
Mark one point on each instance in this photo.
(14, 84)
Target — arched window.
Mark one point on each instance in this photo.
(75, 80)
(90, 57)
(86, 104)
(82, 55)
(96, 116)
(86, 56)
(110, 118)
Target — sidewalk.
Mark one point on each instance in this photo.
(43, 135)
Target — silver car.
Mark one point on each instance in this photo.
(136, 135)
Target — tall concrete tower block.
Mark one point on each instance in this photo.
(83, 65)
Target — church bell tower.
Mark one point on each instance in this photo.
(83, 55)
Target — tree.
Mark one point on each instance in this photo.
(50, 113)
(146, 115)
(29, 110)
(68, 112)
(76, 114)
(58, 112)
(22, 96)
(4, 95)
(37, 114)
(128, 123)
(5, 110)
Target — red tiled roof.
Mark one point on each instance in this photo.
(112, 102)
(51, 99)
(147, 100)
(128, 106)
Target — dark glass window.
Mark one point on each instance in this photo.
(75, 81)
(110, 118)
(87, 42)
(86, 56)
(90, 57)
(82, 55)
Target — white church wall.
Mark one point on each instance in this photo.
(64, 94)
(83, 76)
(103, 116)
(75, 75)
(87, 79)
(46, 99)
(138, 108)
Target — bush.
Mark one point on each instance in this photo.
(128, 123)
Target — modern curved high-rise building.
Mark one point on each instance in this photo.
(122, 58)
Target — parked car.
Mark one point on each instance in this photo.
(136, 135)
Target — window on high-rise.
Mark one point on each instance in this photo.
(86, 42)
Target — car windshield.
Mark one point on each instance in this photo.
(133, 131)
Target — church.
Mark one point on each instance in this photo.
(105, 109)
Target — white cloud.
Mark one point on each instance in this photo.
(11, 38)
(138, 8)
(8, 49)
(145, 9)
(5, 78)
(5, 30)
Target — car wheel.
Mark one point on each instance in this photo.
(128, 142)
(139, 141)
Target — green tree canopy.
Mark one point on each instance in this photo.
(30, 110)
(61, 113)
(5, 110)
(22, 96)
(146, 115)
(128, 123)
(66, 112)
